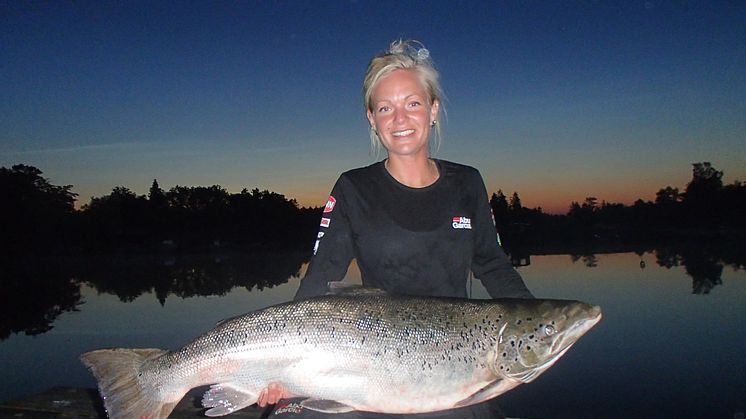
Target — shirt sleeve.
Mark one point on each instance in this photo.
(490, 263)
(333, 250)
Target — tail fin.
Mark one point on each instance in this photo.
(116, 371)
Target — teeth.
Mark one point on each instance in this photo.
(402, 133)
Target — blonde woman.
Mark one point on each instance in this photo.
(416, 225)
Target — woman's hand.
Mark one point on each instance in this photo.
(272, 394)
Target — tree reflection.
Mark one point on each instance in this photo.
(702, 263)
(589, 260)
(191, 275)
(33, 294)
(705, 273)
(667, 257)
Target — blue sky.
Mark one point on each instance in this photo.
(557, 100)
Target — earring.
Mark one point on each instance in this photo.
(432, 124)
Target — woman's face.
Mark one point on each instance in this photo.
(402, 114)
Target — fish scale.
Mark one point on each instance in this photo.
(366, 351)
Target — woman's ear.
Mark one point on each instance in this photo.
(372, 122)
(434, 111)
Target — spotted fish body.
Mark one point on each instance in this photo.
(369, 351)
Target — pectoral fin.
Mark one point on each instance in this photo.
(225, 398)
(487, 392)
(326, 406)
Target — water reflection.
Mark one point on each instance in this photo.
(33, 293)
(653, 325)
(703, 264)
(190, 275)
(589, 260)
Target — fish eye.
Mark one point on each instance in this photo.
(549, 330)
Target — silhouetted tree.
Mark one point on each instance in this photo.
(733, 200)
(583, 213)
(515, 203)
(197, 198)
(701, 197)
(499, 204)
(117, 219)
(156, 196)
(269, 217)
(706, 181)
(159, 220)
(668, 196)
(35, 214)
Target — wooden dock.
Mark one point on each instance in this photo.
(69, 402)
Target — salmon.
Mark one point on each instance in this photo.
(366, 351)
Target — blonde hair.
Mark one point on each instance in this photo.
(403, 55)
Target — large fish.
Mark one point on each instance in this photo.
(367, 351)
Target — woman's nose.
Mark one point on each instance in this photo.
(399, 114)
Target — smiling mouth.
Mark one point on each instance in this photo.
(403, 133)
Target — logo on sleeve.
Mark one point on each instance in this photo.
(329, 207)
(325, 222)
(462, 223)
(319, 236)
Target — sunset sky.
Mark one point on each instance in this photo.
(557, 100)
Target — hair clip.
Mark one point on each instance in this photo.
(422, 54)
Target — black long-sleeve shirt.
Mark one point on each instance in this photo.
(421, 241)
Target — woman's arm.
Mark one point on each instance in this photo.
(490, 263)
(333, 249)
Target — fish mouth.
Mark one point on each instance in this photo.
(565, 342)
(581, 327)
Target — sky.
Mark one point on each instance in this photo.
(555, 100)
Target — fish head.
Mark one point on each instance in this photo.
(536, 333)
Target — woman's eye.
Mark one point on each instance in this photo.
(414, 104)
(383, 109)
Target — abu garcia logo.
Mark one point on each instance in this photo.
(292, 408)
(461, 223)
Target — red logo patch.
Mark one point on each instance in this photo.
(461, 223)
(329, 207)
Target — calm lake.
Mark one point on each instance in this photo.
(672, 342)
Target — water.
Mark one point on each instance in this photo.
(672, 342)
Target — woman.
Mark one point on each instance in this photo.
(416, 225)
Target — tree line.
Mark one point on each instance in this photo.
(38, 216)
(706, 209)
(41, 217)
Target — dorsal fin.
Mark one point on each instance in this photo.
(346, 288)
